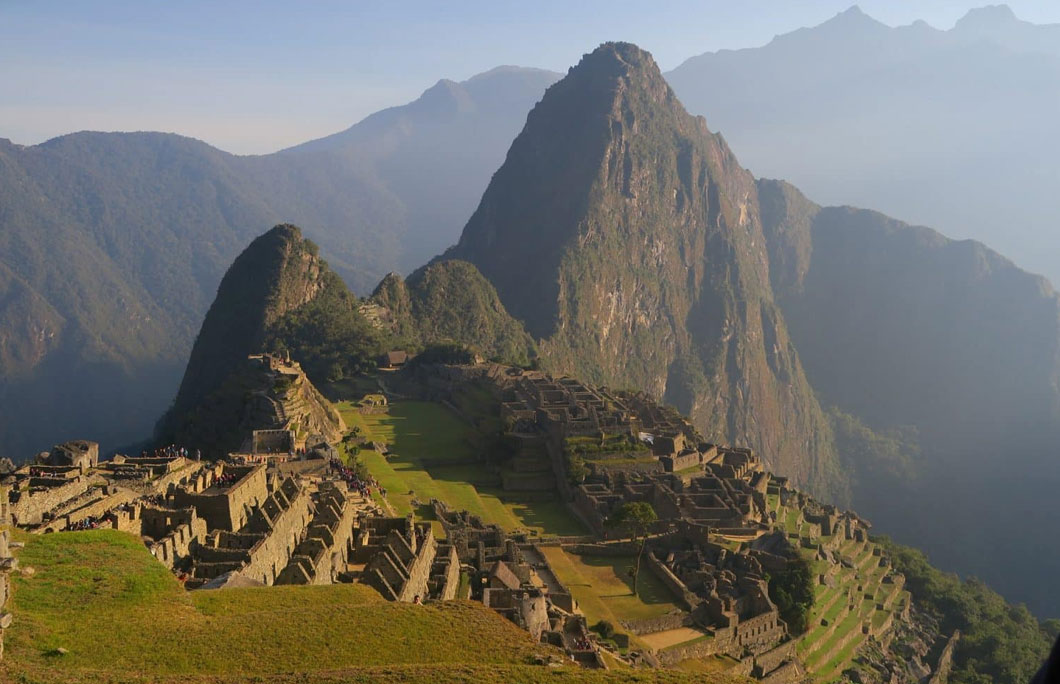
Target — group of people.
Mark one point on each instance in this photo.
(171, 451)
(355, 482)
(583, 644)
(89, 523)
(226, 479)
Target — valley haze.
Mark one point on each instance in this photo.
(757, 326)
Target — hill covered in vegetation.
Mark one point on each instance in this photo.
(451, 302)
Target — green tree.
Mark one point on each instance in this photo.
(1000, 642)
(639, 515)
(792, 591)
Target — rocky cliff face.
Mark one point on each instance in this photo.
(278, 295)
(629, 240)
(277, 273)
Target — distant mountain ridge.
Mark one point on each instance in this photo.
(112, 244)
(948, 128)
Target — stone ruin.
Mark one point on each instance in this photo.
(211, 523)
(8, 563)
(717, 535)
(398, 557)
(728, 494)
(284, 520)
(512, 576)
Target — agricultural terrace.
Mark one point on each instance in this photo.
(858, 599)
(433, 457)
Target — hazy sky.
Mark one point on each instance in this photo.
(253, 77)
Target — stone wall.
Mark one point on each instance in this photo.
(97, 508)
(400, 565)
(286, 530)
(658, 624)
(772, 659)
(226, 508)
(322, 555)
(693, 649)
(174, 548)
(760, 633)
(945, 664)
(788, 673)
(31, 505)
(419, 569)
(684, 595)
(452, 576)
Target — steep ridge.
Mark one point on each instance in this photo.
(278, 295)
(451, 302)
(904, 327)
(627, 238)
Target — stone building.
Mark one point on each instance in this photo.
(398, 555)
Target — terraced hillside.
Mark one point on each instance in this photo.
(120, 616)
(857, 597)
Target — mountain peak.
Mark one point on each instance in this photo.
(627, 239)
(616, 57)
(281, 233)
(987, 17)
(277, 272)
(852, 18)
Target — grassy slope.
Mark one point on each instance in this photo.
(433, 458)
(123, 617)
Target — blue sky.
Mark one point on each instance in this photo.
(253, 77)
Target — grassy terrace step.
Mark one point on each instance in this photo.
(853, 621)
(123, 618)
(836, 595)
(836, 615)
(835, 665)
(432, 457)
(893, 591)
(836, 605)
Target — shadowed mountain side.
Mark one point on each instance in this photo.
(904, 327)
(627, 238)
